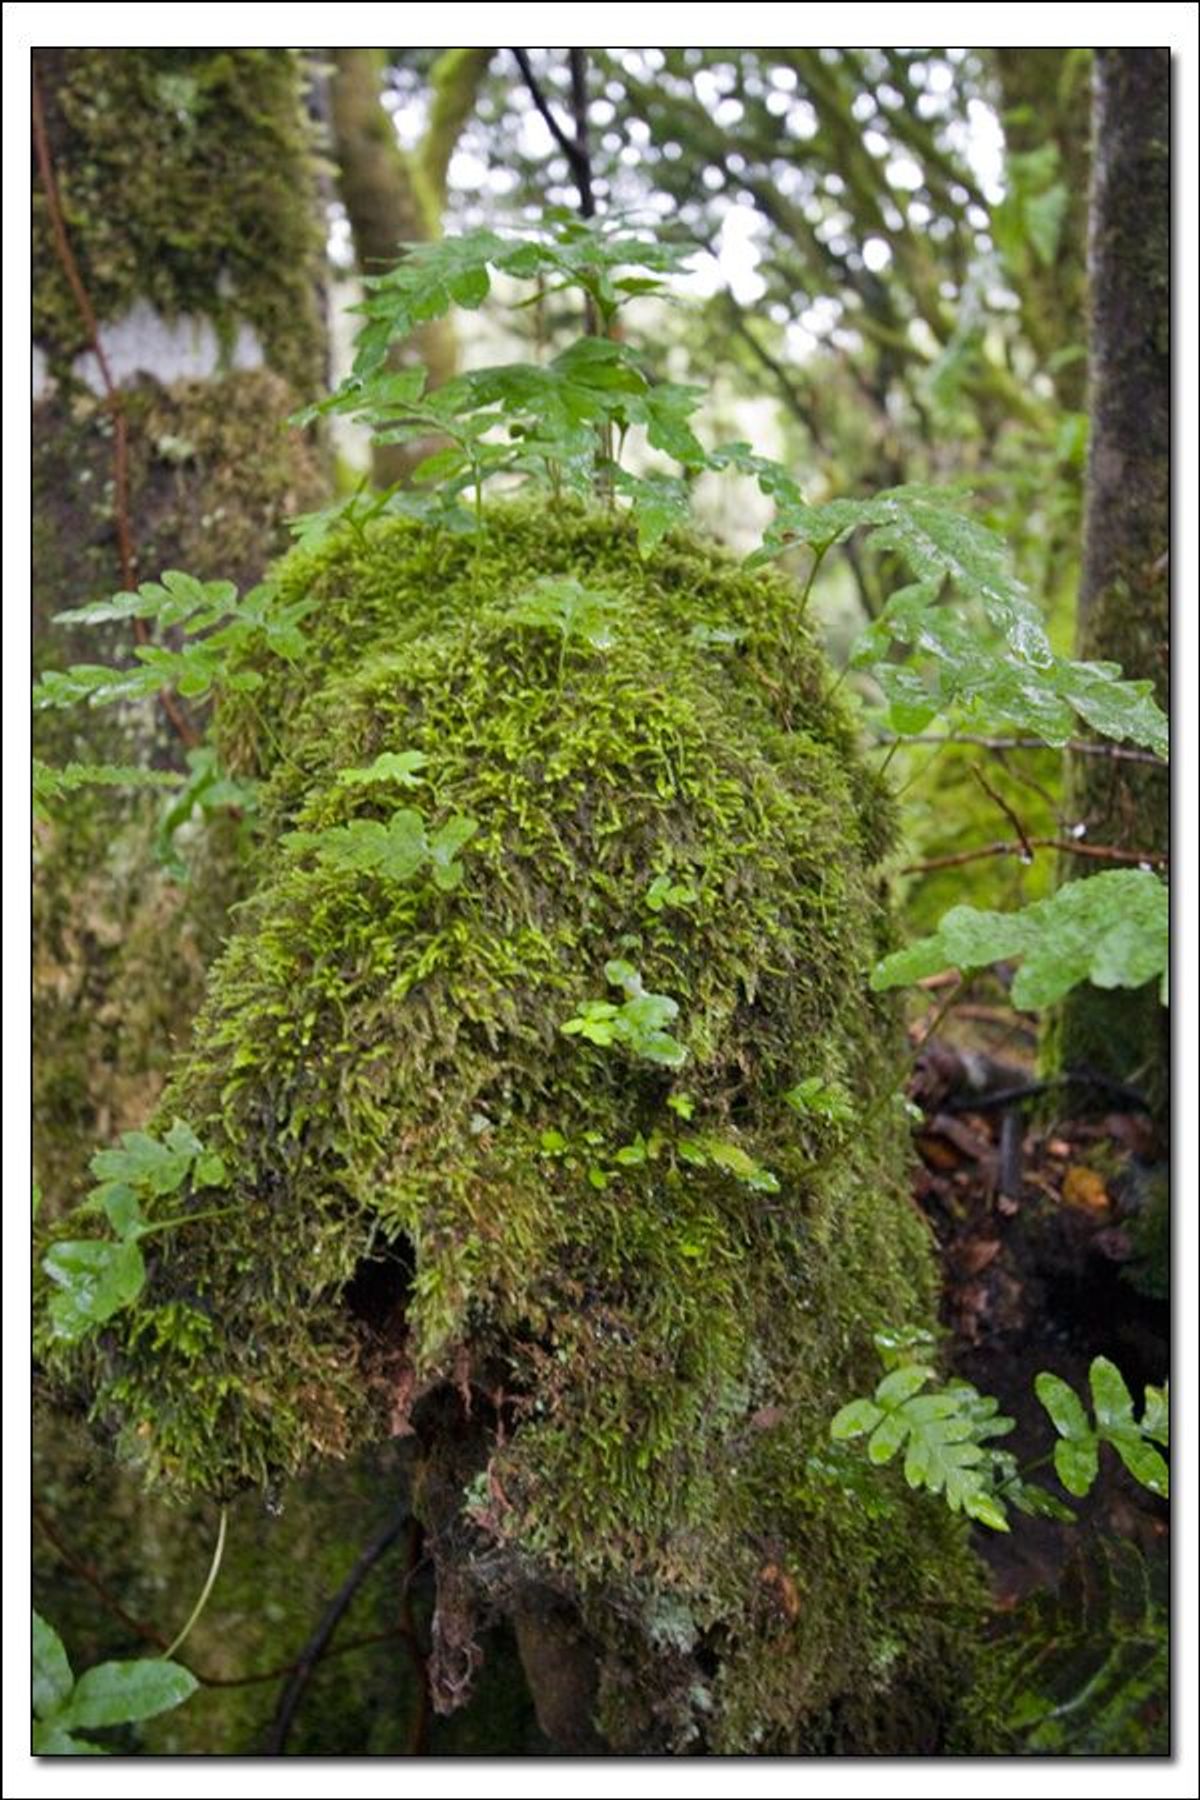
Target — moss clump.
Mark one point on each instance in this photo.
(618, 1331)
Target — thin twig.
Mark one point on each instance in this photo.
(575, 153)
(583, 156)
(1028, 1090)
(205, 1591)
(1117, 752)
(1098, 852)
(126, 551)
(1006, 809)
(289, 1668)
(310, 1656)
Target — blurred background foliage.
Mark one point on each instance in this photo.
(890, 287)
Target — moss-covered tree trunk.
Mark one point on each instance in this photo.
(174, 213)
(188, 210)
(1124, 598)
(393, 197)
(608, 1290)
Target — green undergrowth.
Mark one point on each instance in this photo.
(669, 1275)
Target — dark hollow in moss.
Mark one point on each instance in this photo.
(623, 1366)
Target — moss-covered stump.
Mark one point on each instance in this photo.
(615, 1301)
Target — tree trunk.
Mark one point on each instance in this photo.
(1124, 598)
(175, 215)
(393, 197)
(1045, 98)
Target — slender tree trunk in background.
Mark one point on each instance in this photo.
(1124, 613)
(1045, 97)
(394, 197)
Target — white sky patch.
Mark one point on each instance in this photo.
(985, 150)
(410, 118)
(801, 120)
(737, 253)
(876, 254)
(534, 138)
(903, 172)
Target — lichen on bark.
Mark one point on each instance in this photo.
(618, 1354)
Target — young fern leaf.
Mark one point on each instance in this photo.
(98, 1277)
(637, 1025)
(562, 604)
(1077, 1450)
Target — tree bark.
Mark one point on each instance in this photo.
(175, 220)
(1124, 613)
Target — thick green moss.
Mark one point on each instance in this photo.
(620, 1371)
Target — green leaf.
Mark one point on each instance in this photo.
(855, 1419)
(52, 1677)
(394, 851)
(663, 892)
(1111, 929)
(117, 1693)
(887, 1437)
(638, 1024)
(120, 1206)
(942, 1455)
(1076, 1461)
(1142, 1460)
(902, 1344)
(443, 465)
(1064, 1406)
(815, 1098)
(985, 1507)
(50, 784)
(444, 847)
(902, 1384)
(210, 1170)
(1157, 1417)
(659, 504)
(1038, 1502)
(97, 1279)
(623, 975)
(50, 1739)
(737, 1162)
(398, 766)
(564, 605)
(143, 1162)
(1111, 1399)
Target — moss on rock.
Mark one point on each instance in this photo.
(616, 1302)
